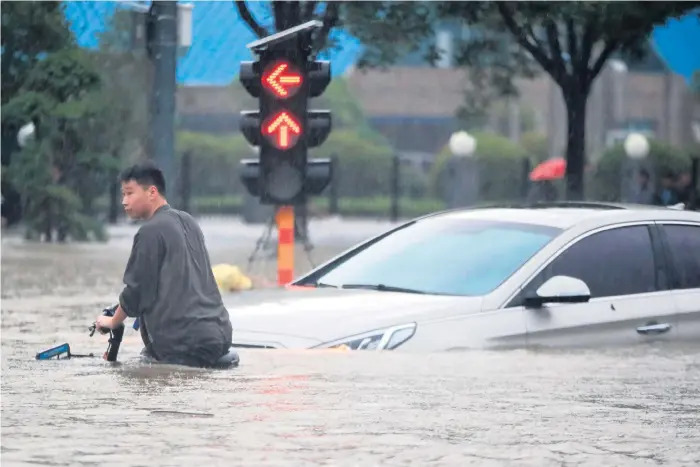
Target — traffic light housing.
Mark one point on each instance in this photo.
(283, 79)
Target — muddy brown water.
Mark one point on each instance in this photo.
(623, 407)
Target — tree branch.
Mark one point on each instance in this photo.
(608, 50)
(574, 58)
(279, 10)
(557, 58)
(246, 16)
(521, 36)
(587, 46)
(308, 11)
(330, 19)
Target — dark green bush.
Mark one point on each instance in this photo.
(500, 164)
(215, 162)
(604, 179)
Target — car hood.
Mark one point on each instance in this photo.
(318, 315)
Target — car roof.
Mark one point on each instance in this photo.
(564, 215)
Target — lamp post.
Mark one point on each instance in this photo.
(26, 134)
(637, 182)
(11, 211)
(462, 144)
(463, 179)
(636, 146)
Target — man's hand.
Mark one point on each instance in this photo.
(104, 323)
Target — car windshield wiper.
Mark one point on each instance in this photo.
(381, 288)
(323, 285)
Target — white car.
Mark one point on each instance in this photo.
(557, 274)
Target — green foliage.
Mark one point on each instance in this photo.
(389, 30)
(500, 166)
(351, 206)
(606, 178)
(570, 41)
(65, 74)
(362, 164)
(215, 161)
(561, 38)
(535, 145)
(57, 87)
(30, 30)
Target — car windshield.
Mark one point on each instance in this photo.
(441, 256)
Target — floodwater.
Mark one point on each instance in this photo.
(628, 407)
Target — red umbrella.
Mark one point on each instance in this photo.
(552, 169)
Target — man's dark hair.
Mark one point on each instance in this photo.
(145, 174)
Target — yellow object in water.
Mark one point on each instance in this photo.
(229, 278)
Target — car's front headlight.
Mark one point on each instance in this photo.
(382, 339)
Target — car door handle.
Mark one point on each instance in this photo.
(654, 329)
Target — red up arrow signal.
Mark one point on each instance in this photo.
(282, 130)
(281, 80)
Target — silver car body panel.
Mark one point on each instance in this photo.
(305, 318)
(687, 301)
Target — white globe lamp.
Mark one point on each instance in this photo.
(636, 146)
(462, 144)
(26, 134)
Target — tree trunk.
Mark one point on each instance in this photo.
(575, 143)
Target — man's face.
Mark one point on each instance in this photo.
(137, 200)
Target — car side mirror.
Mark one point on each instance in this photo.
(559, 289)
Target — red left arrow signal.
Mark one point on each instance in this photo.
(282, 129)
(281, 80)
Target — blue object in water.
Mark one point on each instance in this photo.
(54, 352)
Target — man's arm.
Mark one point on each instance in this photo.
(141, 275)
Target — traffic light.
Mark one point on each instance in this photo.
(284, 79)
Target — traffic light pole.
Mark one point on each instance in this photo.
(285, 244)
(284, 79)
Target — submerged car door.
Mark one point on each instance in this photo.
(683, 242)
(630, 302)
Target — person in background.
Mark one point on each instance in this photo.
(666, 196)
(644, 192)
(686, 193)
(542, 191)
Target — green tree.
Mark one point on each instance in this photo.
(60, 174)
(30, 30)
(572, 42)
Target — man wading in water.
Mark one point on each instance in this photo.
(169, 284)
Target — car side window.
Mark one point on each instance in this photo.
(619, 261)
(684, 243)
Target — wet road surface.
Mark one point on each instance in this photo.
(623, 407)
